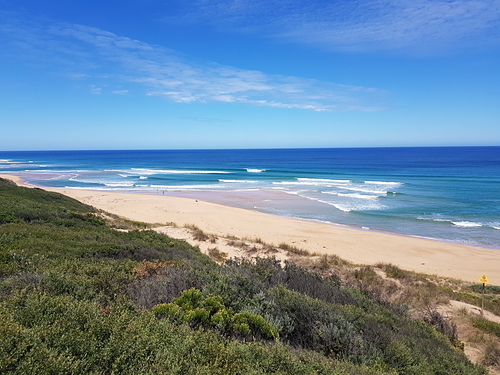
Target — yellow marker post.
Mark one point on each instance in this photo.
(483, 280)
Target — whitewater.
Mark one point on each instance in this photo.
(446, 193)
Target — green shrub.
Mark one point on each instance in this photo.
(88, 217)
(191, 307)
(488, 326)
(396, 272)
(405, 360)
(5, 219)
(490, 289)
(246, 322)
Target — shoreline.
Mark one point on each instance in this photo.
(213, 197)
(465, 230)
(359, 246)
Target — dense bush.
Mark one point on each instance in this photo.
(192, 307)
(42, 334)
(76, 297)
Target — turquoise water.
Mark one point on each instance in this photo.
(449, 193)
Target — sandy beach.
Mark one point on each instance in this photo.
(463, 262)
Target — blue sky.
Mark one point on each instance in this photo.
(151, 74)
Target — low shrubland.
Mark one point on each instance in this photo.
(488, 326)
(77, 296)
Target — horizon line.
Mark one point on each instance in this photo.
(251, 148)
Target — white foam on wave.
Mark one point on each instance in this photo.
(339, 206)
(10, 161)
(74, 178)
(383, 183)
(359, 187)
(52, 171)
(239, 181)
(56, 178)
(98, 180)
(255, 170)
(118, 184)
(461, 223)
(472, 224)
(365, 190)
(358, 196)
(288, 183)
(351, 195)
(433, 219)
(345, 205)
(466, 224)
(311, 182)
(291, 192)
(323, 180)
(356, 206)
(15, 164)
(342, 207)
(143, 178)
(175, 171)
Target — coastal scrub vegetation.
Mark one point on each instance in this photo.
(78, 296)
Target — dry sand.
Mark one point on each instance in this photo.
(463, 262)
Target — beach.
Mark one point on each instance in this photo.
(361, 247)
(446, 194)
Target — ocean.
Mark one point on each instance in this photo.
(444, 193)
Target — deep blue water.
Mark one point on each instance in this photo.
(448, 193)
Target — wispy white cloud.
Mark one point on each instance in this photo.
(112, 61)
(417, 26)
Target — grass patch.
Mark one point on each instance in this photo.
(217, 255)
(256, 240)
(293, 250)
(118, 222)
(488, 326)
(237, 244)
(200, 235)
(396, 272)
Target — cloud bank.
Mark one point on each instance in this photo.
(408, 26)
(106, 59)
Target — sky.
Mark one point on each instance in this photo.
(204, 74)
